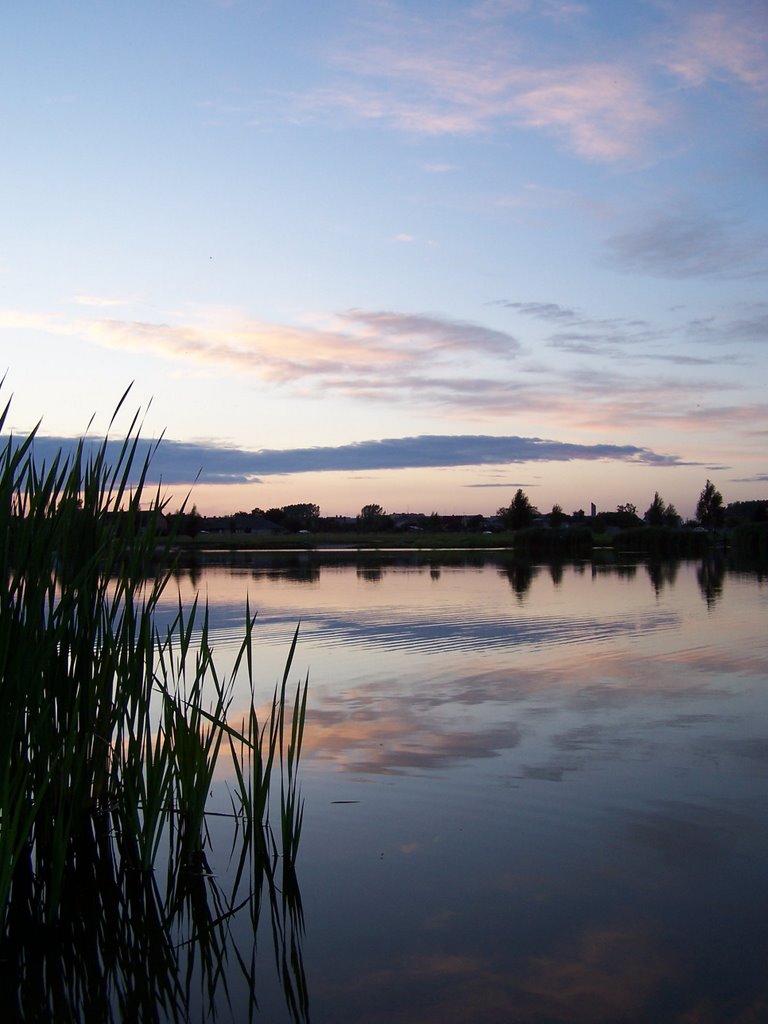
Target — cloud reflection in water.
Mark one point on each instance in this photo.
(555, 805)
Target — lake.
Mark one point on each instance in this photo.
(532, 793)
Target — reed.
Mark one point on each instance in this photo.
(111, 731)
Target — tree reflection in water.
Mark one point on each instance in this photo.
(662, 572)
(711, 576)
(521, 575)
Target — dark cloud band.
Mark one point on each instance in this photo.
(176, 462)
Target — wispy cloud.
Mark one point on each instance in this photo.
(544, 310)
(689, 243)
(747, 324)
(600, 111)
(497, 66)
(357, 350)
(580, 334)
(432, 334)
(336, 348)
(178, 462)
(348, 352)
(482, 70)
(443, 365)
(725, 44)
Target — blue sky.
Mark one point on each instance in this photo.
(416, 254)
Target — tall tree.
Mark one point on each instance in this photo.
(519, 513)
(656, 511)
(709, 508)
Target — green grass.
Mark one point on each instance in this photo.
(109, 737)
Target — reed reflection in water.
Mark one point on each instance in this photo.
(532, 793)
(134, 946)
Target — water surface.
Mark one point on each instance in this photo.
(533, 793)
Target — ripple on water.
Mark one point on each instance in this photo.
(472, 633)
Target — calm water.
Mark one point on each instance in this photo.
(532, 795)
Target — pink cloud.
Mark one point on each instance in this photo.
(723, 44)
(442, 365)
(475, 73)
(377, 346)
(602, 110)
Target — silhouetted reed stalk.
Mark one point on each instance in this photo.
(109, 736)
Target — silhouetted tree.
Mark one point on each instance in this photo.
(626, 516)
(303, 516)
(372, 512)
(754, 511)
(556, 516)
(520, 512)
(709, 508)
(373, 517)
(194, 522)
(188, 524)
(671, 517)
(655, 513)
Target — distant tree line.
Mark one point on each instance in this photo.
(521, 514)
(304, 516)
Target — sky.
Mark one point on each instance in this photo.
(410, 253)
